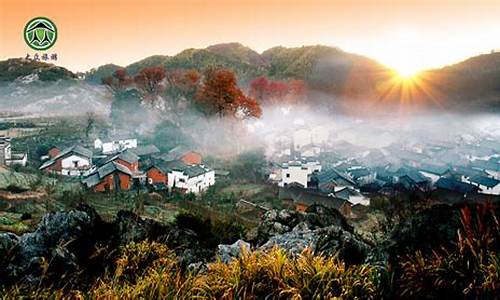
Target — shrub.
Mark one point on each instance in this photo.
(469, 270)
(277, 275)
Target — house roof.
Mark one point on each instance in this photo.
(357, 173)
(485, 164)
(168, 166)
(177, 152)
(468, 172)
(97, 176)
(434, 169)
(332, 175)
(195, 170)
(111, 167)
(456, 186)
(412, 174)
(309, 197)
(91, 180)
(177, 165)
(483, 180)
(125, 155)
(143, 150)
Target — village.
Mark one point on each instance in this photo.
(302, 166)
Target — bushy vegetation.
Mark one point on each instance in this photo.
(149, 270)
(212, 232)
(14, 68)
(471, 269)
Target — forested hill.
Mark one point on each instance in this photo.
(328, 73)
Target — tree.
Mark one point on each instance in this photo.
(182, 86)
(118, 81)
(150, 81)
(90, 124)
(276, 92)
(50, 190)
(221, 96)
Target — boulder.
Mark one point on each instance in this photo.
(226, 253)
(276, 222)
(28, 261)
(330, 240)
(129, 227)
(7, 242)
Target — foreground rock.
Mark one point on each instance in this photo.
(77, 243)
(319, 228)
(282, 221)
(331, 240)
(226, 253)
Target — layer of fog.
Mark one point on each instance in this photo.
(33, 98)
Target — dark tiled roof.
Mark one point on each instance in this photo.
(483, 180)
(168, 166)
(103, 171)
(111, 167)
(177, 152)
(469, 172)
(144, 150)
(434, 169)
(456, 186)
(485, 164)
(357, 173)
(126, 155)
(309, 197)
(195, 170)
(327, 176)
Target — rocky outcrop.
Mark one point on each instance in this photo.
(226, 253)
(282, 221)
(49, 250)
(322, 229)
(79, 243)
(129, 227)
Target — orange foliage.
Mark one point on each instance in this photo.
(221, 96)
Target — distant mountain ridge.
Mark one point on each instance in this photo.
(16, 68)
(330, 73)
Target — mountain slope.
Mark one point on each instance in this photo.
(16, 68)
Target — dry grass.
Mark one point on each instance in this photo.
(148, 270)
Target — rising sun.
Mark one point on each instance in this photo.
(406, 73)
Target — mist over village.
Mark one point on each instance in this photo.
(224, 172)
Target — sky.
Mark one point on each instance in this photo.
(408, 35)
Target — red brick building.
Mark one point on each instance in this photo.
(109, 177)
(184, 154)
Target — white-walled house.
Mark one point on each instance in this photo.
(298, 172)
(72, 161)
(109, 147)
(192, 179)
(5, 150)
(7, 157)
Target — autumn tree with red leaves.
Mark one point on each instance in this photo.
(277, 92)
(220, 95)
(118, 81)
(150, 82)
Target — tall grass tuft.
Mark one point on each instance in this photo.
(469, 270)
